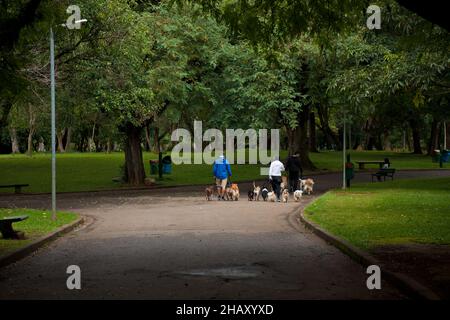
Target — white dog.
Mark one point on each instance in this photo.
(298, 195)
(256, 192)
(271, 197)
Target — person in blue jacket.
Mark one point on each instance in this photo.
(221, 171)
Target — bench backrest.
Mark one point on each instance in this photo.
(388, 170)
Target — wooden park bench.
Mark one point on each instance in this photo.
(362, 164)
(17, 187)
(384, 173)
(7, 230)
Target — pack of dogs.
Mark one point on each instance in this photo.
(232, 192)
(263, 193)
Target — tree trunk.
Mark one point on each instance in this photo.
(134, 164)
(156, 139)
(68, 139)
(312, 133)
(299, 139)
(60, 137)
(416, 136)
(447, 125)
(91, 140)
(31, 128)
(387, 146)
(30, 143)
(108, 146)
(433, 143)
(14, 141)
(330, 137)
(148, 144)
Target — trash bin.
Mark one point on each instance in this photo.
(153, 167)
(167, 165)
(349, 172)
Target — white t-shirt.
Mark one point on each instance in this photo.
(276, 167)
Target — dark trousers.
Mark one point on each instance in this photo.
(276, 186)
(293, 180)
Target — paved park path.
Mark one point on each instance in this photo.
(172, 244)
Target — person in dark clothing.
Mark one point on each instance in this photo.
(294, 167)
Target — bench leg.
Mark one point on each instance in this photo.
(7, 231)
(17, 190)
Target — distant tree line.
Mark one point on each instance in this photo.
(140, 69)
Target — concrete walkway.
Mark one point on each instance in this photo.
(172, 244)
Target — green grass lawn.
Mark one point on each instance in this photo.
(95, 171)
(37, 225)
(399, 212)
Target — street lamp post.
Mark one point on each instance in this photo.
(344, 156)
(53, 112)
(53, 108)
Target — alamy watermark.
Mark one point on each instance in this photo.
(74, 20)
(374, 280)
(73, 282)
(374, 20)
(189, 149)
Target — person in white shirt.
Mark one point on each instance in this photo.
(276, 168)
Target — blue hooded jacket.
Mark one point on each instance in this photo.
(222, 169)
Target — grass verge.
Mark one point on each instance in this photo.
(36, 226)
(391, 213)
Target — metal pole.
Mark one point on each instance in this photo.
(350, 137)
(53, 111)
(344, 156)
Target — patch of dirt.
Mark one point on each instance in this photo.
(428, 264)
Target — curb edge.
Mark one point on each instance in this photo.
(39, 243)
(409, 286)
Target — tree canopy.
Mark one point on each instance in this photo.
(139, 69)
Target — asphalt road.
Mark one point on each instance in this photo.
(172, 244)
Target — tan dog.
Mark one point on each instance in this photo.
(308, 185)
(285, 196)
(235, 192)
(271, 197)
(228, 194)
(209, 193)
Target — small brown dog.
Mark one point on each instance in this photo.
(235, 192)
(210, 191)
(285, 196)
(228, 194)
(307, 185)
